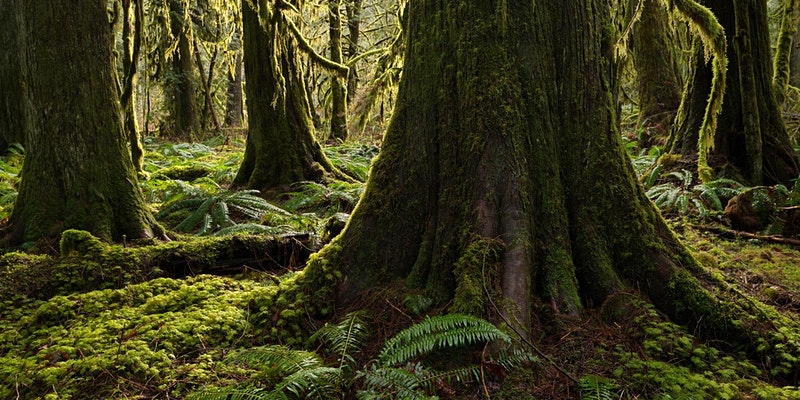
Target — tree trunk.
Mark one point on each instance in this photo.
(281, 148)
(234, 107)
(751, 136)
(353, 9)
(181, 86)
(503, 171)
(132, 37)
(11, 115)
(656, 80)
(77, 171)
(338, 87)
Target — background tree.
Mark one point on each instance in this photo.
(656, 80)
(750, 135)
(338, 84)
(11, 116)
(281, 148)
(132, 21)
(77, 171)
(234, 106)
(181, 84)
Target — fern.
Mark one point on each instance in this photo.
(443, 331)
(230, 393)
(680, 196)
(336, 197)
(343, 338)
(596, 388)
(210, 212)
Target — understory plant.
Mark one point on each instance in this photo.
(212, 212)
(679, 194)
(399, 372)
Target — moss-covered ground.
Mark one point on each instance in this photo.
(81, 319)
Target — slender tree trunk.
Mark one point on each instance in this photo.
(751, 136)
(78, 171)
(353, 9)
(656, 80)
(12, 126)
(132, 37)
(281, 148)
(181, 86)
(794, 57)
(338, 87)
(234, 107)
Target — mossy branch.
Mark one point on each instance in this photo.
(712, 35)
(326, 63)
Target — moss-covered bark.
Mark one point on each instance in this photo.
(281, 148)
(750, 136)
(78, 171)
(338, 84)
(11, 115)
(503, 171)
(656, 80)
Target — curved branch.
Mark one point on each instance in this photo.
(326, 63)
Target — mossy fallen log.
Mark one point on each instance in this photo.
(86, 263)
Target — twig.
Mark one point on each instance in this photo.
(766, 238)
(513, 327)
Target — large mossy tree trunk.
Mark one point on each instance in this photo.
(751, 136)
(11, 115)
(281, 148)
(77, 172)
(656, 79)
(181, 85)
(503, 166)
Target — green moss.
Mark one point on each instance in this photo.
(475, 271)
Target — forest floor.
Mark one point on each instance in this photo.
(147, 334)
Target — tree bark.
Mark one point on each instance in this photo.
(234, 106)
(12, 127)
(78, 171)
(656, 80)
(751, 136)
(338, 84)
(353, 9)
(503, 171)
(280, 148)
(132, 38)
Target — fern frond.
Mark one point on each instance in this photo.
(441, 331)
(230, 393)
(197, 216)
(391, 383)
(279, 358)
(345, 337)
(596, 388)
(314, 383)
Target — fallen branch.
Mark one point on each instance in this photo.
(748, 235)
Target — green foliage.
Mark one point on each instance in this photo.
(681, 196)
(325, 199)
(344, 338)
(209, 212)
(10, 166)
(399, 373)
(353, 159)
(596, 388)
